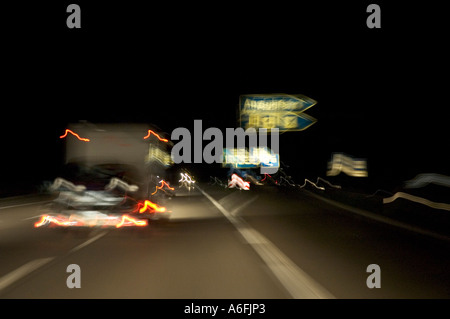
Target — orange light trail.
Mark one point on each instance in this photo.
(150, 132)
(50, 219)
(75, 134)
(44, 219)
(162, 185)
(147, 204)
(167, 185)
(132, 220)
(125, 221)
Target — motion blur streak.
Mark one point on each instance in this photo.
(319, 179)
(115, 182)
(61, 182)
(148, 204)
(150, 132)
(130, 221)
(111, 221)
(49, 219)
(340, 162)
(163, 182)
(237, 181)
(313, 184)
(75, 134)
(186, 178)
(416, 199)
(422, 180)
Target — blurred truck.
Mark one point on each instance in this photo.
(134, 153)
(111, 176)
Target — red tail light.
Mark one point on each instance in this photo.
(76, 135)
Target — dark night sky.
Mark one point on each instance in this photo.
(379, 92)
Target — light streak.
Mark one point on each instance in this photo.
(126, 218)
(217, 181)
(44, 220)
(58, 221)
(186, 178)
(236, 180)
(317, 182)
(416, 199)
(110, 221)
(75, 134)
(351, 166)
(61, 182)
(167, 185)
(115, 182)
(423, 180)
(148, 204)
(150, 132)
(380, 191)
(162, 185)
(313, 184)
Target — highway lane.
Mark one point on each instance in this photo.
(196, 255)
(335, 247)
(224, 243)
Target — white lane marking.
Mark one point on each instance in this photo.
(242, 206)
(252, 236)
(22, 271)
(25, 204)
(31, 266)
(87, 242)
(224, 199)
(299, 284)
(32, 217)
(296, 282)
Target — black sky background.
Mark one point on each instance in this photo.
(381, 92)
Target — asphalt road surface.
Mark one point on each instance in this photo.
(266, 243)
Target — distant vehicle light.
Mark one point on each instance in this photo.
(186, 178)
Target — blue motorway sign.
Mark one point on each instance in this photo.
(282, 111)
(287, 121)
(275, 103)
(256, 157)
